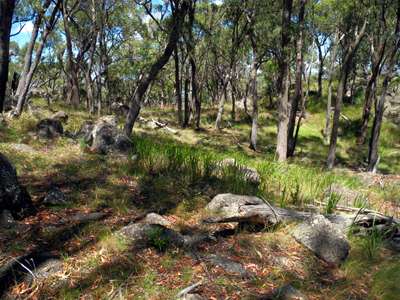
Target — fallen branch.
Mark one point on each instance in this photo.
(362, 211)
(189, 289)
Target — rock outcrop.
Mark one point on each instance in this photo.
(225, 208)
(55, 197)
(104, 136)
(13, 196)
(324, 239)
(49, 128)
(61, 116)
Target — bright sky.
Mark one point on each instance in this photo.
(23, 37)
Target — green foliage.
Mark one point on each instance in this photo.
(373, 242)
(158, 239)
(332, 200)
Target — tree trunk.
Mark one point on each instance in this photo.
(254, 98)
(72, 72)
(178, 90)
(193, 67)
(330, 81)
(233, 97)
(321, 59)
(347, 62)
(195, 94)
(283, 105)
(6, 14)
(222, 99)
(373, 157)
(336, 116)
(24, 90)
(369, 94)
(187, 101)
(29, 51)
(136, 102)
(298, 96)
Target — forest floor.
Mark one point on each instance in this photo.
(97, 265)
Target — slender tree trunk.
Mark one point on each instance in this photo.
(72, 72)
(298, 96)
(88, 77)
(373, 156)
(192, 62)
(29, 51)
(233, 97)
(283, 105)
(6, 14)
(347, 63)
(336, 117)
(222, 99)
(147, 79)
(195, 94)
(23, 93)
(330, 81)
(254, 98)
(369, 96)
(320, 68)
(187, 101)
(178, 90)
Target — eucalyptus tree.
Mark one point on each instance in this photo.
(284, 81)
(378, 37)
(297, 99)
(237, 26)
(179, 10)
(26, 80)
(261, 49)
(6, 15)
(353, 26)
(39, 9)
(391, 59)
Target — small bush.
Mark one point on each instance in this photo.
(158, 239)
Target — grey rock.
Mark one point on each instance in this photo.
(47, 269)
(324, 239)
(22, 148)
(103, 137)
(286, 292)
(83, 218)
(49, 128)
(228, 265)
(112, 120)
(13, 196)
(156, 219)
(342, 222)
(191, 297)
(193, 240)
(6, 219)
(122, 143)
(62, 116)
(226, 208)
(55, 197)
(85, 132)
(120, 109)
(145, 235)
(230, 204)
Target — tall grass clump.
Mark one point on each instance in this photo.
(293, 184)
(189, 164)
